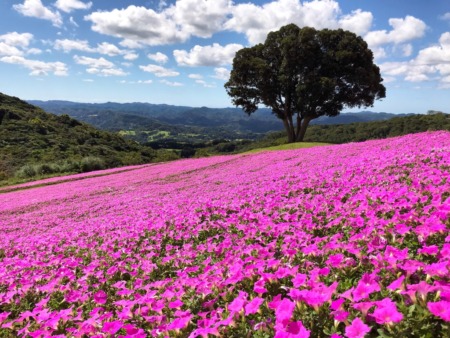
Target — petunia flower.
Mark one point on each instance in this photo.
(253, 305)
(100, 297)
(112, 327)
(357, 329)
(440, 309)
(386, 312)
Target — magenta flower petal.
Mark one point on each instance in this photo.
(100, 297)
(112, 327)
(440, 309)
(253, 305)
(357, 329)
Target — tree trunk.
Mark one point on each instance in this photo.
(289, 130)
(303, 125)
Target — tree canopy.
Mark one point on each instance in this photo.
(304, 73)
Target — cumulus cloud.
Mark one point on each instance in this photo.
(214, 55)
(159, 71)
(171, 24)
(35, 8)
(137, 24)
(8, 50)
(358, 22)
(16, 44)
(171, 84)
(446, 16)
(67, 45)
(403, 30)
(130, 56)
(257, 21)
(104, 48)
(195, 76)
(38, 68)
(109, 49)
(99, 66)
(158, 57)
(70, 5)
(205, 84)
(199, 17)
(430, 63)
(17, 39)
(221, 73)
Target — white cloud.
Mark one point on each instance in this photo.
(16, 44)
(99, 66)
(171, 84)
(446, 16)
(130, 56)
(158, 57)
(430, 63)
(70, 5)
(257, 21)
(171, 24)
(215, 55)
(17, 39)
(92, 62)
(404, 30)
(199, 17)
(205, 84)
(67, 45)
(35, 8)
(103, 48)
(73, 22)
(38, 68)
(34, 51)
(195, 76)
(358, 22)
(159, 71)
(221, 74)
(109, 49)
(137, 24)
(8, 50)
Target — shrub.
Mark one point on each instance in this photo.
(91, 163)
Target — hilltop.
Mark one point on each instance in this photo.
(161, 124)
(34, 142)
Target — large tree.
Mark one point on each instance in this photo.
(304, 73)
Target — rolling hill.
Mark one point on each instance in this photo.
(145, 122)
(30, 136)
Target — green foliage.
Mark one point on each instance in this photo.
(36, 144)
(91, 163)
(304, 73)
(397, 126)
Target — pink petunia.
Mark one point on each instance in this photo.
(100, 297)
(357, 329)
(397, 284)
(112, 327)
(253, 305)
(440, 309)
(284, 310)
(175, 304)
(387, 313)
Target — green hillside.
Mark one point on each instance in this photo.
(36, 143)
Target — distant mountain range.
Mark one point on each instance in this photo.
(147, 122)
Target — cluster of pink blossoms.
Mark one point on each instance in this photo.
(339, 241)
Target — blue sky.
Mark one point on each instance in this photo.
(180, 52)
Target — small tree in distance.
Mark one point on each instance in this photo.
(304, 73)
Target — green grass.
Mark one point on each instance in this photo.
(289, 146)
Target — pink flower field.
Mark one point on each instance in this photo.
(333, 241)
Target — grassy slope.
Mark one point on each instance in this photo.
(288, 146)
